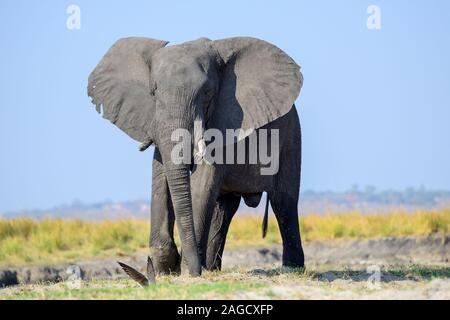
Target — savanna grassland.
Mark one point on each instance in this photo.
(27, 241)
(338, 249)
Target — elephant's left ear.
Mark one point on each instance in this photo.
(259, 84)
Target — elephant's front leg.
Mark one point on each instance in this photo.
(205, 185)
(162, 245)
(226, 207)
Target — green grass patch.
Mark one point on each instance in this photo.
(421, 272)
(124, 289)
(241, 284)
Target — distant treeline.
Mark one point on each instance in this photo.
(369, 194)
(365, 200)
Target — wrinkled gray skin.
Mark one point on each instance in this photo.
(149, 89)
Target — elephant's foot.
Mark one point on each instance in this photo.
(293, 258)
(213, 260)
(196, 271)
(214, 263)
(190, 268)
(166, 260)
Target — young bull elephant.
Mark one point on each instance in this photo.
(157, 93)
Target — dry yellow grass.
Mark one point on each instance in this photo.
(26, 241)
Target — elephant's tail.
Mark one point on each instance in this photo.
(266, 218)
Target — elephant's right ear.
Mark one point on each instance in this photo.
(121, 85)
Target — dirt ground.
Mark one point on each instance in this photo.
(387, 268)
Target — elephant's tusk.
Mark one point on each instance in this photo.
(201, 147)
(200, 154)
(144, 145)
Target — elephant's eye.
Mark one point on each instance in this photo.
(208, 94)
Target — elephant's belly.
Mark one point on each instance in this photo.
(246, 179)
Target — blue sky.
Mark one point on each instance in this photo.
(375, 106)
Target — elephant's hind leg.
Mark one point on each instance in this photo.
(224, 211)
(286, 212)
(284, 201)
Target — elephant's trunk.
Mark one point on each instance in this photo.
(178, 179)
(179, 186)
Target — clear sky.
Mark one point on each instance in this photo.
(375, 106)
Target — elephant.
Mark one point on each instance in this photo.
(150, 89)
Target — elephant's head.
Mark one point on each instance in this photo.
(148, 90)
